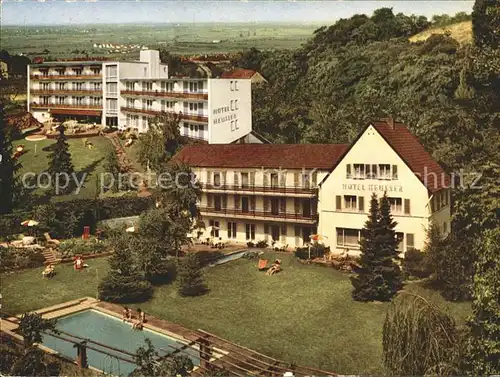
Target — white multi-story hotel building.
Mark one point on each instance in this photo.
(288, 192)
(128, 94)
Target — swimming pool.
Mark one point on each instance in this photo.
(113, 332)
(233, 256)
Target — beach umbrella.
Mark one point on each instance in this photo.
(317, 238)
(30, 223)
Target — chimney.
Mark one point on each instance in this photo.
(390, 121)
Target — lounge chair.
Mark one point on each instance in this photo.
(50, 240)
(262, 264)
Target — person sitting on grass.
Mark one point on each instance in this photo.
(276, 267)
(49, 271)
(139, 324)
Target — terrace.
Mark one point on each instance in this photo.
(82, 92)
(278, 190)
(280, 216)
(137, 110)
(173, 95)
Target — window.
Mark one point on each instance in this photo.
(61, 85)
(338, 203)
(384, 171)
(394, 171)
(190, 127)
(244, 180)
(78, 71)
(193, 86)
(407, 207)
(45, 86)
(359, 171)
(231, 229)
(274, 179)
(348, 237)
(400, 241)
(368, 172)
(193, 106)
(348, 173)
(350, 202)
(361, 203)
(61, 100)
(111, 71)
(410, 241)
(217, 180)
(236, 104)
(215, 230)
(112, 88)
(130, 102)
(78, 86)
(396, 205)
(97, 86)
(96, 71)
(147, 86)
(231, 85)
(60, 71)
(250, 231)
(112, 104)
(130, 86)
(78, 100)
(44, 100)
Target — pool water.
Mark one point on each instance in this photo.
(112, 332)
(229, 257)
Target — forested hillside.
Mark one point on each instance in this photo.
(364, 68)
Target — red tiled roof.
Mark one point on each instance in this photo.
(286, 156)
(413, 153)
(238, 73)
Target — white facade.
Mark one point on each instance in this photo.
(287, 206)
(129, 94)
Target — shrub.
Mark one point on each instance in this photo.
(262, 244)
(415, 265)
(125, 289)
(317, 251)
(250, 244)
(77, 246)
(190, 276)
(302, 253)
(19, 258)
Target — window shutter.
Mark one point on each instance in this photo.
(209, 177)
(348, 171)
(283, 205)
(252, 203)
(296, 179)
(361, 201)
(252, 178)
(236, 178)
(297, 205)
(282, 179)
(338, 201)
(407, 206)
(394, 171)
(314, 179)
(266, 179)
(266, 204)
(237, 202)
(224, 201)
(410, 241)
(209, 200)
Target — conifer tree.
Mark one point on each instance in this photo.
(363, 283)
(112, 170)
(60, 163)
(486, 23)
(379, 277)
(483, 353)
(124, 282)
(8, 166)
(190, 276)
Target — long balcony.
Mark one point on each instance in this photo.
(173, 95)
(291, 217)
(81, 92)
(271, 190)
(73, 109)
(195, 118)
(65, 77)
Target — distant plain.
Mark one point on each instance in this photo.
(199, 38)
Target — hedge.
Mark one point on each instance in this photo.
(87, 213)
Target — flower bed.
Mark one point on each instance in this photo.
(19, 258)
(70, 248)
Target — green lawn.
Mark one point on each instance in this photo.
(85, 160)
(304, 314)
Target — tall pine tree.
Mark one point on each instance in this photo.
(379, 277)
(8, 166)
(60, 163)
(363, 282)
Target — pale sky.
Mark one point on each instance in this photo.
(67, 12)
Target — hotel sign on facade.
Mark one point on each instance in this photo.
(372, 187)
(224, 118)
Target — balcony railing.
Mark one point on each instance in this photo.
(157, 93)
(66, 77)
(264, 189)
(64, 106)
(83, 92)
(196, 118)
(277, 216)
